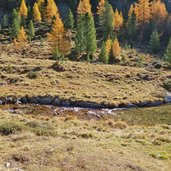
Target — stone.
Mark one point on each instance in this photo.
(47, 100)
(167, 97)
(34, 100)
(7, 164)
(89, 105)
(24, 100)
(66, 104)
(56, 101)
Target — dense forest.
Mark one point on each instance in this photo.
(83, 27)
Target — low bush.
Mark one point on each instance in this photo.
(11, 127)
(32, 75)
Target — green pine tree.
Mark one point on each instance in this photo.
(155, 42)
(167, 55)
(90, 34)
(69, 23)
(5, 21)
(31, 30)
(15, 28)
(80, 35)
(103, 57)
(150, 29)
(106, 21)
(132, 27)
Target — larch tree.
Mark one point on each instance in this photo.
(118, 20)
(101, 7)
(159, 12)
(36, 13)
(23, 10)
(108, 46)
(84, 7)
(51, 11)
(116, 50)
(58, 37)
(143, 12)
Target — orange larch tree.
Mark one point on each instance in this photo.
(36, 13)
(101, 7)
(84, 7)
(118, 20)
(108, 46)
(51, 11)
(116, 50)
(158, 12)
(23, 10)
(143, 12)
(58, 37)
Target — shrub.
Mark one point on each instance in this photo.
(32, 75)
(7, 128)
(167, 85)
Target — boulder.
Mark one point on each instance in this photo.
(46, 100)
(167, 97)
(34, 100)
(56, 101)
(66, 104)
(89, 105)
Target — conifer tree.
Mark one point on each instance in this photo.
(103, 57)
(167, 55)
(118, 20)
(22, 36)
(15, 24)
(58, 37)
(31, 30)
(143, 12)
(51, 11)
(84, 7)
(80, 40)
(106, 21)
(151, 27)
(23, 11)
(5, 21)
(90, 34)
(36, 13)
(159, 12)
(69, 23)
(116, 50)
(15, 29)
(101, 7)
(132, 27)
(155, 42)
(108, 46)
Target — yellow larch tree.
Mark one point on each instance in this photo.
(101, 6)
(23, 10)
(116, 50)
(108, 46)
(131, 10)
(143, 12)
(21, 41)
(159, 12)
(118, 20)
(40, 4)
(58, 37)
(84, 7)
(36, 13)
(51, 11)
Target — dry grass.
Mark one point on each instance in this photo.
(81, 145)
(76, 81)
